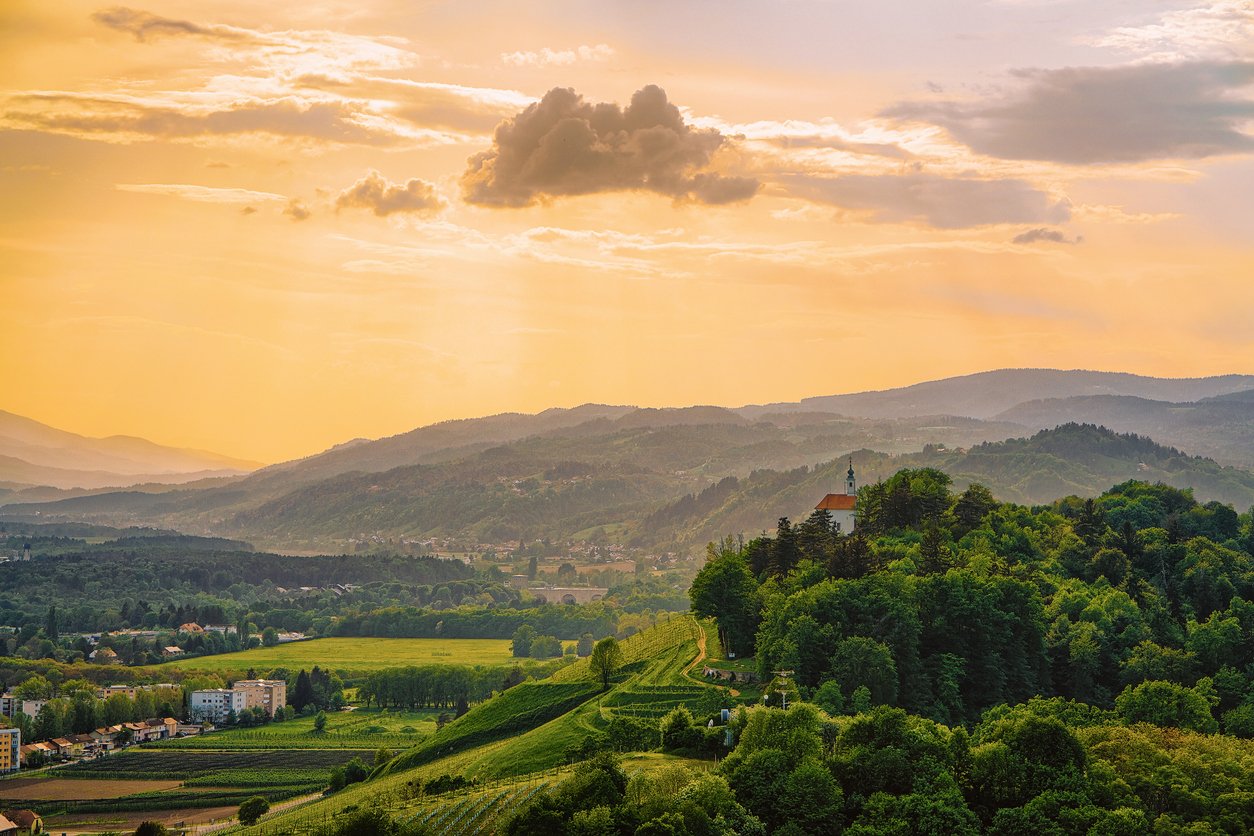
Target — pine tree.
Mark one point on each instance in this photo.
(302, 695)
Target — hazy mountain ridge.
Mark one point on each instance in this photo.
(562, 471)
(32, 453)
(989, 394)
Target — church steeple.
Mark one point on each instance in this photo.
(851, 484)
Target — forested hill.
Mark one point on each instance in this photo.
(1221, 427)
(1073, 459)
(949, 603)
(675, 486)
(602, 472)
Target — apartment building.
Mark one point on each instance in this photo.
(10, 750)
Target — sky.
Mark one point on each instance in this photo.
(266, 228)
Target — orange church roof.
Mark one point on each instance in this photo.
(837, 502)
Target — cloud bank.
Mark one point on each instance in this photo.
(1088, 115)
(143, 25)
(563, 145)
(938, 201)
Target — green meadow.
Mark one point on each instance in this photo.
(355, 654)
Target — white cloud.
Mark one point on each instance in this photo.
(561, 58)
(1220, 29)
(200, 194)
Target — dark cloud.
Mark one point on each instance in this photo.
(1044, 234)
(1107, 114)
(297, 211)
(942, 202)
(563, 145)
(143, 25)
(375, 193)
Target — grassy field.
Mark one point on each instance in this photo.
(363, 728)
(516, 743)
(352, 654)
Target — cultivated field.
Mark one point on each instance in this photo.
(65, 789)
(354, 654)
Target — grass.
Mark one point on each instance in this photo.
(360, 655)
(364, 728)
(518, 739)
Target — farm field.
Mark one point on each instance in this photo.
(91, 795)
(68, 789)
(355, 654)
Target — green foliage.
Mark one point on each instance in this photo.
(253, 809)
(1166, 704)
(605, 660)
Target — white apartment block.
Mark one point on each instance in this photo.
(215, 704)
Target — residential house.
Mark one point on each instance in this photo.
(10, 750)
(128, 691)
(104, 656)
(42, 749)
(164, 727)
(31, 708)
(67, 747)
(191, 627)
(8, 828)
(107, 738)
(26, 821)
(171, 652)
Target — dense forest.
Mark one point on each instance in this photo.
(947, 605)
(964, 666)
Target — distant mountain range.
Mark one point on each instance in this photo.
(990, 394)
(35, 454)
(656, 476)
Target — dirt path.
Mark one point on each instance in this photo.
(215, 826)
(701, 658)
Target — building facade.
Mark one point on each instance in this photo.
(216, 704)
(843, 506)
(10, 750)
(267, 694)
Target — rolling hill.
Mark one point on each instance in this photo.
(646, 475)
(1221, 427)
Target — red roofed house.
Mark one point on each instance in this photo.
(26, 821)
(842, 506)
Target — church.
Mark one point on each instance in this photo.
(842, 506)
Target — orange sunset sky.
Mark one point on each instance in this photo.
(266, 228)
